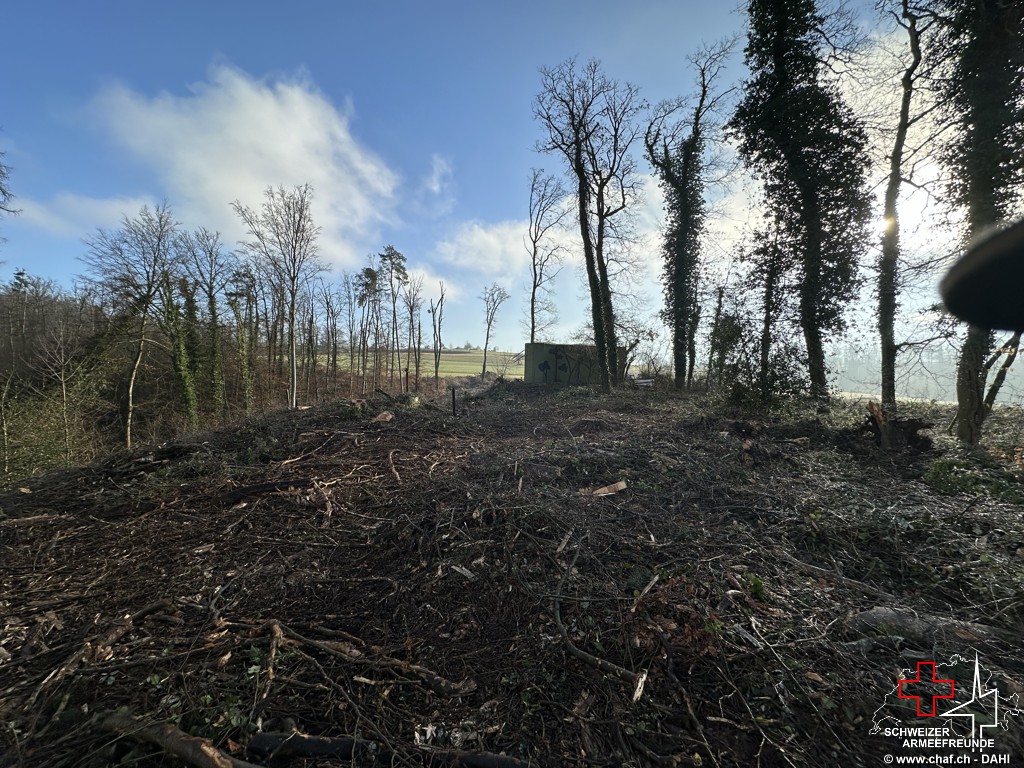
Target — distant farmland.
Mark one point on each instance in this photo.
(468, 362)
(463, 362)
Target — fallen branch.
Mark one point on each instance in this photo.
(259, 489)
(436, 683)
(94, 648)
(294, 744)
(276, 638)
(636, 679)
(192, 749)
(24, 522)
(824, 573)
(924, 627)
(391, 463)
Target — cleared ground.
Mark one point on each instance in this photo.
(545, 579)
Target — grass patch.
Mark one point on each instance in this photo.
(954, 476)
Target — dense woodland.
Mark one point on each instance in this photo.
(169, 329)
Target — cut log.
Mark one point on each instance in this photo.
(192, 749)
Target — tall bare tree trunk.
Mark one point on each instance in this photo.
(131, 386)
(888, 262)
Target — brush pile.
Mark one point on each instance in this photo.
(544, 579)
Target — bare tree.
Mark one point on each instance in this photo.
(412, 297)
(436, 312)
(129, 265)
(493, 297)
(331, 304)
(6, 196)
(394, 275)
(546, 214)
(592, 122)
(368, 298)
(242, 299)
(62, 358)
(350, 304)
(284, 235)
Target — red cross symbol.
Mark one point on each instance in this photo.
(927, 679)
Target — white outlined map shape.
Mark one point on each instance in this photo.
(1004, 706)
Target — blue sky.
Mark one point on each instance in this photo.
(412, 120)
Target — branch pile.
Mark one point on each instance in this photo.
(544, 580)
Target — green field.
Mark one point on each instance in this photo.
(468, 362)
(457, 363)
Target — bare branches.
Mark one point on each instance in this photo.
(436, 313)
(593, 122)
(547, 213)
(493, 297)
(662, 136)
(284, 237)
(6, 196)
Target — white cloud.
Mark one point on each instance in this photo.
(435, 195)
(432, 288)
(233, 135)
(441, 172)
(495, 251)
(70, 215)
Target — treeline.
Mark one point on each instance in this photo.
(818, 127)
(169, 330)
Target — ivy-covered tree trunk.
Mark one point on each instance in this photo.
(677, 154)
(177, 333)
(691, 346)
(215, 358)
(811, 292)
(808, 150)
(607, 310)
(714, 371)
(242, 355)
(769, 302)
(984, 95)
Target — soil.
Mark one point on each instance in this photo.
(544, 578)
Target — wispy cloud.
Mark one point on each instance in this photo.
(70, 215)
(431, 285)
(436, 196)
(233, 135)
(494, 251)
(438, 182)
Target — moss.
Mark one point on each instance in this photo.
(965, 476)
